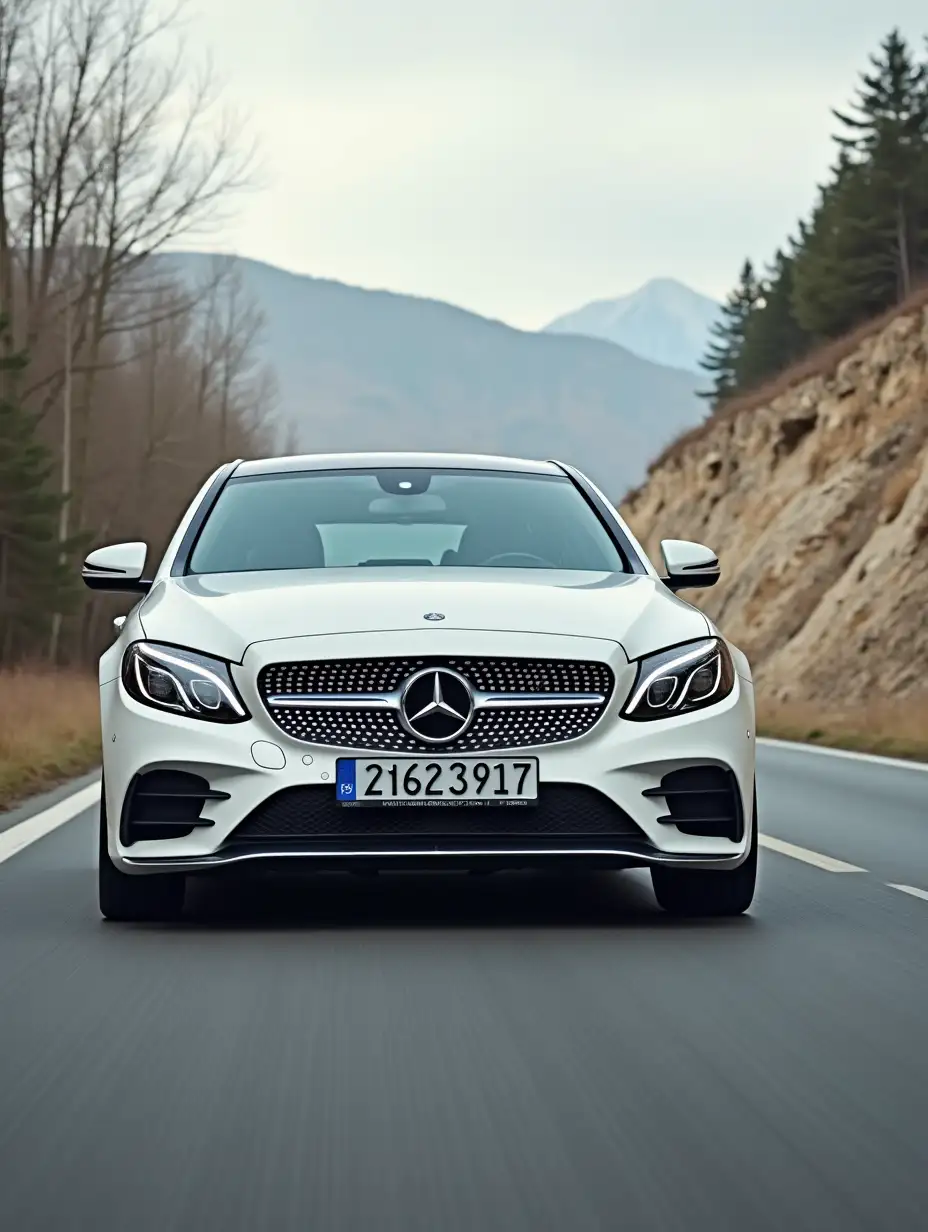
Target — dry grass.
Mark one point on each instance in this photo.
(890, 728)
(49, 729)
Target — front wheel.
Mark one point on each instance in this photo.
(709, 892)
(142, 899)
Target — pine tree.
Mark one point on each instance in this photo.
(864, 249)
(773, 339)
(33, 583)
(728, 334)
(845, 272)
(887, 131)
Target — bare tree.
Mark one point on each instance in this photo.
(157, 434)
(111, 149)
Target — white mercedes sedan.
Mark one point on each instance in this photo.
(368, 662)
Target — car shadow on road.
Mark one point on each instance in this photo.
(344, 902)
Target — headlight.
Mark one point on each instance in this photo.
(680, 680)
(182, 681)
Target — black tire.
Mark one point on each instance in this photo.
(709, 892)
(136, 899)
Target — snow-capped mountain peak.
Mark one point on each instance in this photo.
(664, 321)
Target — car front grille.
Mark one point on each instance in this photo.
(565, 813)
(525, 702)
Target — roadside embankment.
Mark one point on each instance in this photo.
(814, 492)
(49, 729)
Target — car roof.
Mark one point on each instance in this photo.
(401, 461)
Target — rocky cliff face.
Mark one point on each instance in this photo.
(816, 499)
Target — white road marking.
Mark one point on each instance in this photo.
(33, 828)
(900, 763)
(913, 890)
(828, 863)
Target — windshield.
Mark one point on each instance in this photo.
(447, 518)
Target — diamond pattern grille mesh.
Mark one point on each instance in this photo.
(511, 727)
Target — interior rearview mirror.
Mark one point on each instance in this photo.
(117, 568)
(690, 566)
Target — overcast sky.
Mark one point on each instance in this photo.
(521, 157)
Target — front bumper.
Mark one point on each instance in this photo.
(617, 759)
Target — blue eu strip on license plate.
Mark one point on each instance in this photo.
(345, 784)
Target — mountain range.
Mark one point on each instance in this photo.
(664, 321)
(371, 369)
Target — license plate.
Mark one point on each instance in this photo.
(430, 782)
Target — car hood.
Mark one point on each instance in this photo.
(223, 614)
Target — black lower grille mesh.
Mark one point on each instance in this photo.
(562, 810)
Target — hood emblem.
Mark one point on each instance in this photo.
(436, 705)
(434, 616)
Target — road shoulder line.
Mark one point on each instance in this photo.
(21, 835)
(914, 891)
(900, 763)
(40, 801)
(828, 863)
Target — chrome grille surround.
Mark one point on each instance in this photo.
(354, 703)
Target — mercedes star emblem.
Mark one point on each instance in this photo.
(434, 616)
(436, 705)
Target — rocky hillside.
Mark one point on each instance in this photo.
(815, 494)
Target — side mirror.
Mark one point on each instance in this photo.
(118, 568)
(690, 566)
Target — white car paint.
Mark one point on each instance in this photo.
(229, 612)
(255, 619)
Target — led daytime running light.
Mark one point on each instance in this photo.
(708, 659)
(182, 682)
(163, 657)
(666, 669)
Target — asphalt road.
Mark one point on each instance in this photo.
(512, 1053)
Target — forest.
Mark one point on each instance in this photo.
(122, 384)
(863, 248)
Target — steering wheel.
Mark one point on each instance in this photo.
(517, 556)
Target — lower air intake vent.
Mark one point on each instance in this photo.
(165, 804)
(702, 800)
